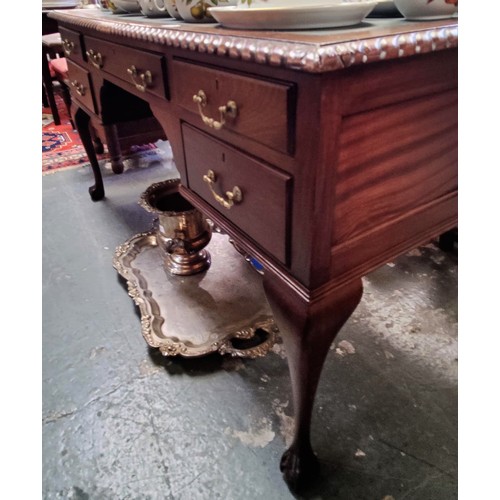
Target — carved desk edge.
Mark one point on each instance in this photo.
(307, 57)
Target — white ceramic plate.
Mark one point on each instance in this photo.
(58, 4)
(293, 17)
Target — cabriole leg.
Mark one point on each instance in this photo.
(308, 328)
(82, 122)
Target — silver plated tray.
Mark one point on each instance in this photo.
(220, 310)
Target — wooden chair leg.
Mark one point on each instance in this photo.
(45, 101)
(49, 89)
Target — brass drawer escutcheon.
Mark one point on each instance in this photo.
(79, 87)
(233, 197)
(68, 46)
(230, 110)
(95, 58)
(141, 80)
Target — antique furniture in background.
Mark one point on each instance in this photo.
(52, 51)
(108, 114)
(324, 154)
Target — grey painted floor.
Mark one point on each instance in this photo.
(122, 422)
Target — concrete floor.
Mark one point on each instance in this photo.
(122, 422)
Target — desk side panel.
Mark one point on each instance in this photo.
(394, 160)
(396, 179)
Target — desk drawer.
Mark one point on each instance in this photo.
(265, 108)
(143, 70)
(72, 44)
(81, 86)
(263, 212)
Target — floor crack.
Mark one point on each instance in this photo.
(54, 417)
(422, 460)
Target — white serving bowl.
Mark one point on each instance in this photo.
(153, 8)
(172, 9)
(196, 11)
(114, 8)
(420, 10)
(130, 6)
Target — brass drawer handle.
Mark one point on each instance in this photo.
(79, 88)
(95, 58)
(233, 197)
(141, 80)
(230, 110)
(68, 46)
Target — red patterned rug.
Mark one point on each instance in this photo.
(62, 148)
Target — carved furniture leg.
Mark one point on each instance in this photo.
(82, 122)
(114, 149)
(308, 327)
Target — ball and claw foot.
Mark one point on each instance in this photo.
(117, 166)
(299, 469)
(96, 193)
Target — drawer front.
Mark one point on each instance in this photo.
(142, 70)
(265, 109)
(72, 44)
(80, 85)
(264, 209)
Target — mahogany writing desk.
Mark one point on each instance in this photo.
(323, 153)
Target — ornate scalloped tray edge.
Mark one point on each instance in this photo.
(197, 315)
